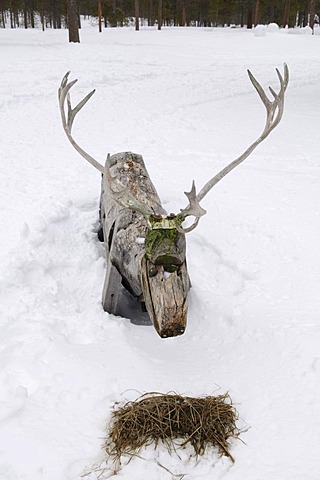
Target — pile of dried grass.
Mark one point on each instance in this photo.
(201, 422)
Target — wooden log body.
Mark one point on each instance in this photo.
(146, 254)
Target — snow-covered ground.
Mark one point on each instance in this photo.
(181, 98)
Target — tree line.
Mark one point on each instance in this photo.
(115, 13)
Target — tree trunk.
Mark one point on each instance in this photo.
(159, 14)
(312, 10)
(42, 15)
(25, 15)
(11, 18)
(257, 13)
(100, 15)
(3, 21)
(2, 17)
(241, 16)
(184, 14)
(136, 13)
(32, 16)
(249, 15)
(305, 13)
(150, 16)
(73, 21)
(286, 13)
(113, 21)
(271, 11)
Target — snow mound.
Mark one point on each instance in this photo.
(260, 31)
(272, 28)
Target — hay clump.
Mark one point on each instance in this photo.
(201, 422)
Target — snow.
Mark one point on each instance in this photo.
(180, 97)
(273, 27)
(260, 30)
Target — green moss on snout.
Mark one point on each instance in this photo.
(160, 240)
(164, 245)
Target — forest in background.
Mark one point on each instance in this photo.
(115, 13)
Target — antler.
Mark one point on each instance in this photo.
(120, 193)
(125, 198)
(63, 94)
(274, 110)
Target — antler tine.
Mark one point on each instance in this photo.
(67, 122)
(274, 114)
(275, 106)
(193, 209)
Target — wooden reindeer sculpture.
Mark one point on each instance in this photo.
(146, 247)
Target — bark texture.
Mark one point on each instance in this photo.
(73, 21)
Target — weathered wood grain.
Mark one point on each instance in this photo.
(145, 254)
(165, 297)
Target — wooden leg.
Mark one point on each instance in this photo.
(111, 289)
